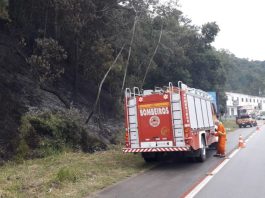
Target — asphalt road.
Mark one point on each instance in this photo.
(243, 176)
(171, 179)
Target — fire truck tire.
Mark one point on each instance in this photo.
(202, 152)
(149, 157)
(213, 146)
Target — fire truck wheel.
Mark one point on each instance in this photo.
(213, 146)
(202, 152)
(149, 157)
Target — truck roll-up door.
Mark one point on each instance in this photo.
(205, 113)
(199, 112)
(210, 114)
(192, 112)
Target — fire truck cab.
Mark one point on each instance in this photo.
(170, 119)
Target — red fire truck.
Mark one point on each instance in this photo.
(166, 120)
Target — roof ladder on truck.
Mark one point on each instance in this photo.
(176, 112)
(131, 107)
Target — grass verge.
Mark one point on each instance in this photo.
(230, 125)
(68, 174)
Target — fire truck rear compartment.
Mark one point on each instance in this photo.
(155, 128)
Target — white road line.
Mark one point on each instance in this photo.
(234, 153)
(218, 168)
(199, 187)
(203, 183)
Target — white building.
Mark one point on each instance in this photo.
(237, 100)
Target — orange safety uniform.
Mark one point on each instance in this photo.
(221, 133)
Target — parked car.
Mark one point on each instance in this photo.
(260, 117)
(246, 120)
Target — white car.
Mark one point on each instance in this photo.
(261, 117)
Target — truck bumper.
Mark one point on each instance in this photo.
(143, 150)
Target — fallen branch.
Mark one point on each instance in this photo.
(54, 92)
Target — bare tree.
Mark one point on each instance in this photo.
(152, 57)
(129, 54)
(101, 83)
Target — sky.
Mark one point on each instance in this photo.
(241, 23)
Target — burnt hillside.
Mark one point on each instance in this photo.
(21, 93)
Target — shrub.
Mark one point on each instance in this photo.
(91, 144)
(23, 150)
(65, 174)
(46, 133)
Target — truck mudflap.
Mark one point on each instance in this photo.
(143, 150)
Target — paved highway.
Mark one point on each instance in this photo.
(243, 176)
(171, 179)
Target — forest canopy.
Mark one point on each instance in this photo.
(92, 33)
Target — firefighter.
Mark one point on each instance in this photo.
(221, 133)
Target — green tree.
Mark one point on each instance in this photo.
(3, 9)
(209, 32)
(47, 60)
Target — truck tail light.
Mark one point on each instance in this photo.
(127, 144)
(186, 131)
